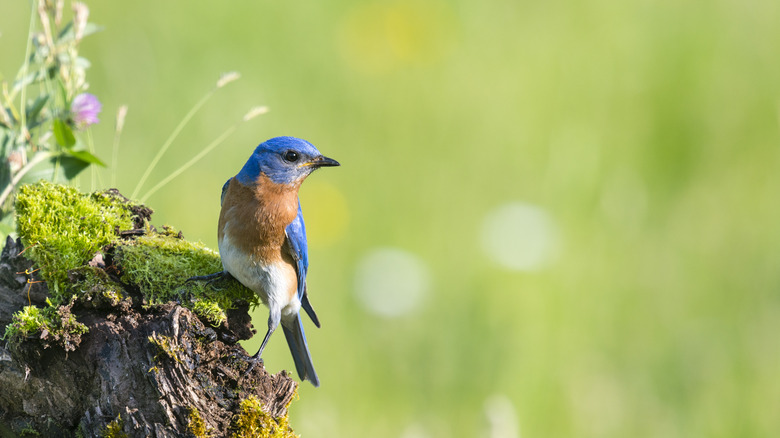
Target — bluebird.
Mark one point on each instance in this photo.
(262, 238)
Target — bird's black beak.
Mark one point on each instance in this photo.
(323, 161)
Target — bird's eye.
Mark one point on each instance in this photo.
(291, 156)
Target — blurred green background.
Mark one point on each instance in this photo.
(552, 219)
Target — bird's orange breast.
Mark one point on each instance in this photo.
(256, 217)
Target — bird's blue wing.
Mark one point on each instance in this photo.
(224, 190)
(296, 238)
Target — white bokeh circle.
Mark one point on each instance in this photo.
(391, 282)
(520, 236)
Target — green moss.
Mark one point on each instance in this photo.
(95, 285)
(166, 347)
(160, 263)
(252, 421)
(29, 431)
(114, 429)
(27, 321)
(197, 426)
(62, 229)
(53, 325)
(112, 296)
(210, 311)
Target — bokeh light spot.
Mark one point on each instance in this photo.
(326, 212)
(501, 417)
(415, 430)
(377, 37)
(520, 237)
(391, 282)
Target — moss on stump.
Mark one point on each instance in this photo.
(104, 336)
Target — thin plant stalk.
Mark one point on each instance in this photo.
(39, 157)
(120, 123)
(192, 161)
(170, 140)
(25, 68)
(253, 112)
(93, 168)
(223, 80)
(114, 155)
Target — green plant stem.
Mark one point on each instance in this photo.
(92, 168)
(194, 160)
(172, 137)
(25, 67)
(39, 157)
(114, 155)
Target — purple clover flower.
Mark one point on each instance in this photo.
(84, 110)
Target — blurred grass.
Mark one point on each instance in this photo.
(648, 130)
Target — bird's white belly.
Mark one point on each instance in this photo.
(267, 280)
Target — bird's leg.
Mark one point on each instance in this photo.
(210, 278)
(274, 317)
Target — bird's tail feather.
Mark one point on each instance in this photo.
(296, 340)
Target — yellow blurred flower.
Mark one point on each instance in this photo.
(378, 37)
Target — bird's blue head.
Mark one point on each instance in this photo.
(284, 160)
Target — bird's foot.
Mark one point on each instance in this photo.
(253, 362)
(210, 278)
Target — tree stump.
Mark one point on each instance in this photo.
(139, 371)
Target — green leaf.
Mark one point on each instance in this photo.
(61, 168)
(4, 141)
(63, 92)
(6, 117)
(63, 134)
(67, 35)
(91, 28)
(85, 156)
(35, 109)
(26, 80)
(68, 29)
(7, 226)
(82, 63)
(72, 167)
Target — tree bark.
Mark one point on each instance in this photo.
(149, 371)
